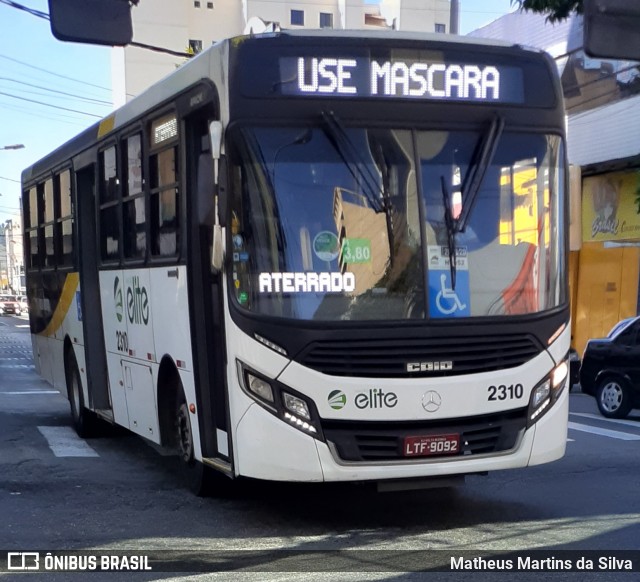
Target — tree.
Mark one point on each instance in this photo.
(554, 9)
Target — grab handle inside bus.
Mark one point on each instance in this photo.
(217, 249)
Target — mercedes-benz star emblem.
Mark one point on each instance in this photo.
(431, 401)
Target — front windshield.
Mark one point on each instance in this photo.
(353, 226)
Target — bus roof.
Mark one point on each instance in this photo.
(199, 67)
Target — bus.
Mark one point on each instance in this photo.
(316, 256)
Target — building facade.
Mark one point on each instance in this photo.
(602, 98)
(192, 25)
(11, 258)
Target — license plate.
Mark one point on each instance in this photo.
(428, 445)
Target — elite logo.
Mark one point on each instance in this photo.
(117, 298)
(337, 399)
(137, 301)
(374, 398)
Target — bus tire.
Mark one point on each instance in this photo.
(84, 421)
(203, 481)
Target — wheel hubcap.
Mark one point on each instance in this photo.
(611, 397)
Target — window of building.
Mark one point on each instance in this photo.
(196, 4)
(297, 17)
(209, 5)
(441, 28)
(195, 46)
(326, 20)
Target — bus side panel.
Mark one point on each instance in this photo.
(115, 332)
(73, 329)
(169, 311)
(169, 303)
(42, 356)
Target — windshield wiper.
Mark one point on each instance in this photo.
(377, 196)
(452, 229)
(478, 168)
(349, 152)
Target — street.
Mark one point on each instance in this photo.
(118, 493)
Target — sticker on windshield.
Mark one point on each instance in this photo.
(306, 282)
(444, 299)
(326, 246)
(356, 250)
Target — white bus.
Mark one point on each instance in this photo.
(316, 256)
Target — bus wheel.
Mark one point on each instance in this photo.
(83, 419)
(201, 479)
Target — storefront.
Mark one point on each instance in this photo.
(606, 269)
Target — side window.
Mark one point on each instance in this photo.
(32, 201)
(65, 219)
(629, 337)
(133, 202)
(164, 201)
(49, 224)
(109, 206)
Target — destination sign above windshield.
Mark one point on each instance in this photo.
(400, 78)
(360, 77)
(389, 70)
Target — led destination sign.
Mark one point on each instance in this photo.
(400, 78)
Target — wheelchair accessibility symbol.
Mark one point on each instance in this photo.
(447, 300)
(444, 301)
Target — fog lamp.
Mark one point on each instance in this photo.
(296, 405)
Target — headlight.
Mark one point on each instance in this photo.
(259, 387)
(288, 405)
(547, 392)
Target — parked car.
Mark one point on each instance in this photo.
(24, 303)
(610, 369)
(9, 305)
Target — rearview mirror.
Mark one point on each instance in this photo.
(612, 29)
(104, 22)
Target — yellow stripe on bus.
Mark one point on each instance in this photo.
(106, 125)
(66, 299)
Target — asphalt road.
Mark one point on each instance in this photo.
(119, 493)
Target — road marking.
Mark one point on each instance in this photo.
(20, 393)
(614, 434)
(64, 442)
(632, 423)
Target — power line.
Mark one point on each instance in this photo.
(53, 117)
(10, 180)
(45, 16)
(26, 9)
(49, 105)
(88, 99)
(52, 73)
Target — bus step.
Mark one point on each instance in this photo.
(105, 414)
(219, 464)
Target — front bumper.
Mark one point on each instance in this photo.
(287, 454)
